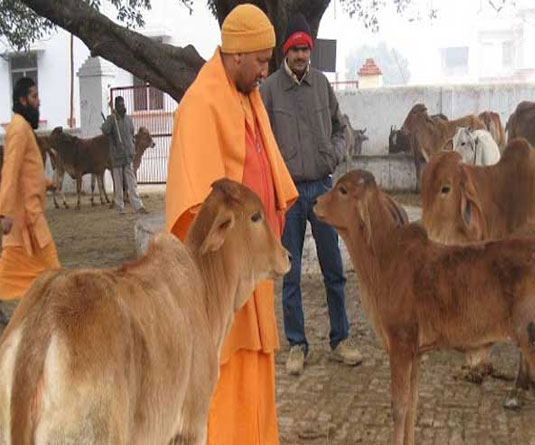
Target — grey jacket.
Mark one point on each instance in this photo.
(307, 123)
(121, 149)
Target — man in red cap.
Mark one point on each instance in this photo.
(309, 130)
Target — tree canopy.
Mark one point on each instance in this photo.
(167, 67)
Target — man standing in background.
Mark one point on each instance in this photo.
(119, 127)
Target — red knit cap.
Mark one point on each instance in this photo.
(297, 33)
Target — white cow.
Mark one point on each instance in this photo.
(476, 147)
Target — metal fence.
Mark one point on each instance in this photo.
(342, 85)
(150, 108)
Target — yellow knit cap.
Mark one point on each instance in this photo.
(246, 29)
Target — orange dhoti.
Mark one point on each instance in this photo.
(243, 409)
(18, 269)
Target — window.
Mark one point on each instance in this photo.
(23, 65)
(455, 61)
(507, 54)
(146, 97)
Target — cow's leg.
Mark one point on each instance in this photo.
(413, 402)
(101, 189)
(400, 388)
(522, 382)
(59, 185)
(478, 365)
(55, 190)
(104, 188)
(92, 189)
(112, 203)
(78, 191)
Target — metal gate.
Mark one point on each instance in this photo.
(153, 109)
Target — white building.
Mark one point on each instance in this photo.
(477, 45)
(49, 60)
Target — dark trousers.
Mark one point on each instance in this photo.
(330, 260)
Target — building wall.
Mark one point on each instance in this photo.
(379, 109)
(53, 72)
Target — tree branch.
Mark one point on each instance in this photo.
(168, 68)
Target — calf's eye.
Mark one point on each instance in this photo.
(445, 189)
(342, 190)
(256, 217)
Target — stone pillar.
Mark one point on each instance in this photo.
(96, 75)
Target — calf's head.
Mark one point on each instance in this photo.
(360, 137)
(354, 202)
(417, 115)
(451, 207)
(464, 143)
(143, 139)
(58, 139)
(398, 141)
(232, 229)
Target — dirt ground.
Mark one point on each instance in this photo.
(332, 404)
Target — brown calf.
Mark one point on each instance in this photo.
(428, 135)
(78, 157)
(465, 203)
(131, 355)
(521, 123)
(494, 126)
(421, 296)
(142, 141)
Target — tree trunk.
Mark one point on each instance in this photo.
(166, 67)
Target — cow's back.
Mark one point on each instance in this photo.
(522, 122)
(111, 345)
(93, 154)
(507, 189)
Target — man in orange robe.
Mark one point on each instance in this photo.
(221, 129)
(27, 245)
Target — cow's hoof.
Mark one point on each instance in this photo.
(92, 204)
(66, 206)
(56, 206)
(513, 400)
(477, 374)
(474, 376)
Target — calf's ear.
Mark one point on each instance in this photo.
(223, 222)
(399, 215)
(471, 212)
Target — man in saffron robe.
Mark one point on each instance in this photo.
(27, 245)
(221, 129)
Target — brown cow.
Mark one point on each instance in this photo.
(422, 296)
(142, 141)
(78, 157)
(353, 139)
(521, 123)
(131, 355)
(399, 141)
(428, 135)
(465, 203)
(494, 126)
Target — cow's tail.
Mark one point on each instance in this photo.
(26, 393)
